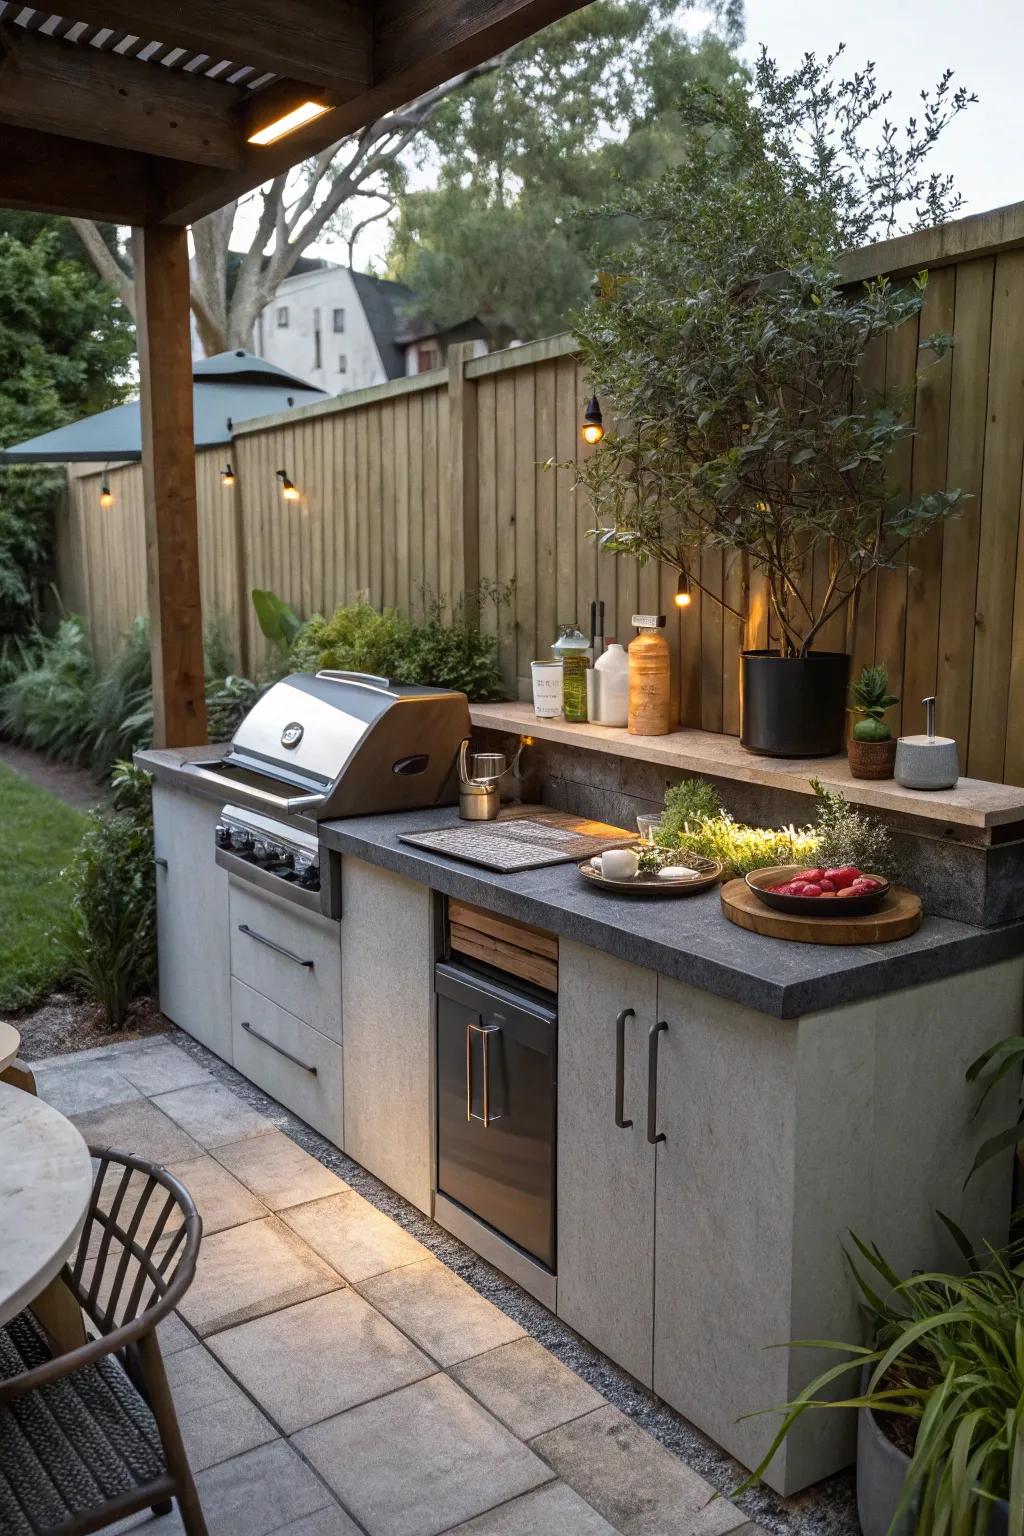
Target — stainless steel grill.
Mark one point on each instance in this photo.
(318, 747)
(344, 744)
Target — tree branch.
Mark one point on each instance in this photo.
(106, 263)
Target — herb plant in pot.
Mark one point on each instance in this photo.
(740, 421)
(939, 1391)
(871, 749)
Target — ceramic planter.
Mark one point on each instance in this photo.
(881, 1468)
(793, 706)
(871, 759)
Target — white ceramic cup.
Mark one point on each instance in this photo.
(547, 689)
(619, 864)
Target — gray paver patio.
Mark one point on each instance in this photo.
(332, 1377)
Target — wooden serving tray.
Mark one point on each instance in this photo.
(898, 916)
(709, 872)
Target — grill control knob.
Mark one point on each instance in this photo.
(223, 835)
(241, 840)
(310, 877)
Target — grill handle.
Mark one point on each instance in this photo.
(266, 1040)
(279, 949)
(364, 679)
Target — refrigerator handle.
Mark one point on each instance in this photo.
(620, 1066)
(485, 1030)
(653, 1134)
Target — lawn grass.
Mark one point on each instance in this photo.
(39, 834)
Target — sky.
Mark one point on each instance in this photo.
(911, 43)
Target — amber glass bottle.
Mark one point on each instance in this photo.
(650, 674)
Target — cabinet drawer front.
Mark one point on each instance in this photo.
(291, 956)
(294, 1063)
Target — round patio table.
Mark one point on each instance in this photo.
(45, 1188)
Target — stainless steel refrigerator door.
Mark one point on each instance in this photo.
(496, 1102)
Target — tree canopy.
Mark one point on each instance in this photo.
(525, 156)
(65, 351)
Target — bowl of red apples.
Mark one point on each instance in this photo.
(844, 891)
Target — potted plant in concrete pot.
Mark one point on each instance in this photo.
(871, 749)
(939, 1394)
(734, 360)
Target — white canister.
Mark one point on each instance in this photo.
(611, 686)
(547, 689)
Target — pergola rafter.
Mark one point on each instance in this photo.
(141, 112)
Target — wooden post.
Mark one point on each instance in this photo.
(464, 576)
(169, 485)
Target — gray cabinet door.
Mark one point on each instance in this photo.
(605, 1173)
(192, 918)
(387, 989)
(725, 1217)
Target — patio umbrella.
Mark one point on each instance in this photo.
(226, 389)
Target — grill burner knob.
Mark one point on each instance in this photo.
(310, 877)
(223, 836)
(241, 840)
(282, 858)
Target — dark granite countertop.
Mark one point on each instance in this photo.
(688, 937)
(684, 937)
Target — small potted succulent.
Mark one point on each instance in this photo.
(871, 749)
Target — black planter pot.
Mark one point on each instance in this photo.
(793, 706)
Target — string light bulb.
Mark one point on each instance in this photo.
(227, 475)
(106, 494)
(683, 595)
(592, 429)
(288, 490)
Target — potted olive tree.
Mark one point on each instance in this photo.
(733, 357)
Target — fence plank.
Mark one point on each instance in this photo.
(1000, 516)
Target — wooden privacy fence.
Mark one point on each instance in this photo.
(437, 486)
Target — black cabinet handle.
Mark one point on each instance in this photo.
(277, 948)
(266, 1040)
(653, 1134)
(620, 1066)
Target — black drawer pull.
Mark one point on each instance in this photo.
(278, 948)
(620, 1066)
(653, 1134)
(266, 1040)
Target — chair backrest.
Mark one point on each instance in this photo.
(137, 1252)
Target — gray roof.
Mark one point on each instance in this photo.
(384, 305)
(231, 387)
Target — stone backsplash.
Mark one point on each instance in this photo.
(957, 873)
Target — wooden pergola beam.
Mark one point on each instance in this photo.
(47, 174)
(444, 38)
(169, 485)
(324, 44)
(56, 87)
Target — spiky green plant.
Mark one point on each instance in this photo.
(871, 699)
(947, 1353)
(1000, 1060)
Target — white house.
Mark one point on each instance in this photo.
(345, 330)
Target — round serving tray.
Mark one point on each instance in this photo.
(812, 906)
(709, 872)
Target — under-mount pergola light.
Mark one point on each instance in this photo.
(298, 117)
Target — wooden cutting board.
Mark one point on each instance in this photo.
(898, 917)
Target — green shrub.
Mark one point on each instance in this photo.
(47, 703)
(107, 940)
(847, 836)
(121, 696)
(449, 653)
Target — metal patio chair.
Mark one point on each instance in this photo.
(90, 1436)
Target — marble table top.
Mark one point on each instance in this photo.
(45, 1185)
(10, 1044)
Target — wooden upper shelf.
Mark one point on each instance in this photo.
(140, 111)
